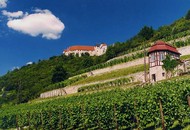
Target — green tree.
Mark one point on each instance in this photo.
(87, 62)
(163, 32)
(59, 74)
(169, 64)
(110, 53)
(187, 15)
(146, 33)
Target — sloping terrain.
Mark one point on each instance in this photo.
(138, 107)
(28, 82)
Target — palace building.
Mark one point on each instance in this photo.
(91, 50)
(157, 54)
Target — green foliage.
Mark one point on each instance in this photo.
(115, 109)
(146, 32)
(59, 74)
(185, 57)
(37, 77)
(110, 75)
(115, 83)
(169, 64)
(64, 83)
(88, 62)
(163, 32)
(188, 15)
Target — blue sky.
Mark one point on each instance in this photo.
(75, 22)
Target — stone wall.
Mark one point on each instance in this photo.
(137, 76)
(74, 89)
(119, 66)
(184, 50)
(53, 93)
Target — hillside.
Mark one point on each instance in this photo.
(28, 82)
(138, 107)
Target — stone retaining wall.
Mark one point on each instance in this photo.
(136, 76)
(74, 89)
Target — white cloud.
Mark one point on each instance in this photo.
(3, 3)
(13, 14)
(29, 63)
(41, 22)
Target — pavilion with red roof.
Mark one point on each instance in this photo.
(157, 54)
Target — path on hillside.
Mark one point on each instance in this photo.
(183, 50)
(74, 88)
(140, 51)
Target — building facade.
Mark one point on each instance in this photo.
(91, 50)
(156, 55)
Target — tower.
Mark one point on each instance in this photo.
(157, 54)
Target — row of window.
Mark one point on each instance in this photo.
(160, 56)
(157, 56)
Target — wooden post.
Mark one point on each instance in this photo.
(70, 114)
(115, 118)
(60, 120)
(29, 120)
(17, 126)
(144, 63)
(136, 117)
(188, 100)
(162, 115)
(99, 125)
(50, 120)
(42, 120)
(36, 124)
(83, 113)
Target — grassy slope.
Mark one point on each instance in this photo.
(110, 75)
(34, 78)
(185, 57)
(123, 87)
(117, 73)
(76, 80)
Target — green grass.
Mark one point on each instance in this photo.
(113, 74)
(118, 73)
(185, 57)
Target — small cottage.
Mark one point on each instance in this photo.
(156, 55)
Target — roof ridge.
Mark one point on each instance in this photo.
(161, 45)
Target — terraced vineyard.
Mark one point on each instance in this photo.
(116, 109)
(111, 84)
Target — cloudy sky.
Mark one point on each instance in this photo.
(38, 29)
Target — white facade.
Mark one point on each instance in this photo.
(156, 72)
(91, 50)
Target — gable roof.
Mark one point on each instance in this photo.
(162, 46)
(80, 48)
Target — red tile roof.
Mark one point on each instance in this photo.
(162, 46)
(81, 48)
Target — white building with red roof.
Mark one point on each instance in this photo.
(91, 50)
(157, 54)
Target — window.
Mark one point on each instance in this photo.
(152, 57)
(162, 56)
(163, 74)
